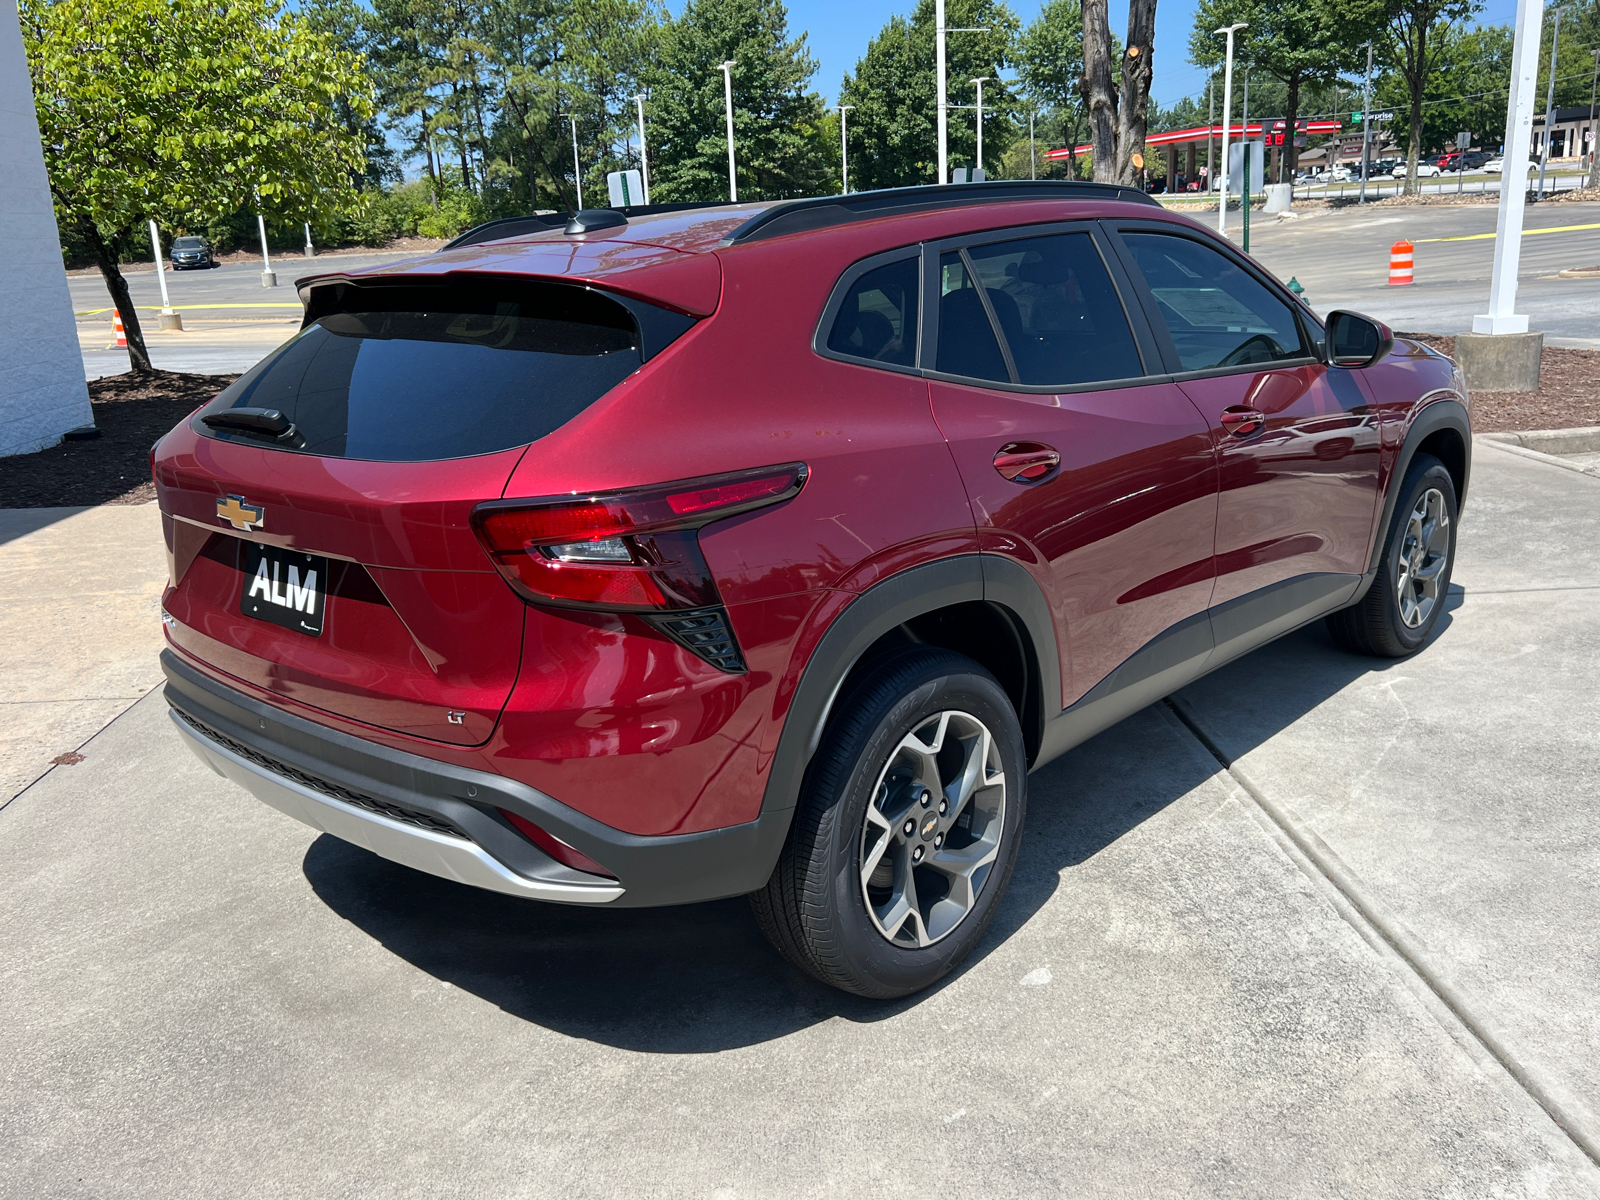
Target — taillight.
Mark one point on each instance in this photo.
(634, 550)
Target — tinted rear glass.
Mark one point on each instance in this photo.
(416, 373)
(878, 319)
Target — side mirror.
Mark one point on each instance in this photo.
(1356, 341)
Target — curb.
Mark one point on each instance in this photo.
(1560, 441)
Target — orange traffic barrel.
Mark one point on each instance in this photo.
(1400, 263)
(122, 334)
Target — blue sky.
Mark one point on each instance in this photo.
(840, 29)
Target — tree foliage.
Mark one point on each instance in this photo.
(893, 130)
(184, 110)
(1411, 37)
(777, 120)
(1050, 68)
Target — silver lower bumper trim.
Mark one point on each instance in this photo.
(436, 853)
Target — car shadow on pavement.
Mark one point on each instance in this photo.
(701, 978)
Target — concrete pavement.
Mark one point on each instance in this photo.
(1358, 961)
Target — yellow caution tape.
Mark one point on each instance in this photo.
(1473, 237)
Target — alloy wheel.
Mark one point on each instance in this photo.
(932, 830)
(1424, 554)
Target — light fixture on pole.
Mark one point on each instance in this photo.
(978, 83)
(1366, 122)
(1549, 100)
(577, 171)
(727, 95)
(644, 159)
(941, 92)
(844, 152)
(1227, 117)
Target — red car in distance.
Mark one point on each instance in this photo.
(692, 552)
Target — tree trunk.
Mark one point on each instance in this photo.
(105, 258)
(1416, 81)
(1134, 110)
(1099, 89)
(1291, 152)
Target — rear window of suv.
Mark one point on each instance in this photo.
(409, 374)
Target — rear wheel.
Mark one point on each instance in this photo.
(1405, 601)
(906, 830)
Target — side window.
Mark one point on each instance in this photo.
(1062, 318)
(966, 339)
(1218, 315)
(878, 319)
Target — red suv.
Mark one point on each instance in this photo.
(677, 554)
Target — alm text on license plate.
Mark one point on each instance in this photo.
(285, 587)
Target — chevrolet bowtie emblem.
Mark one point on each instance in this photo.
(241, 516)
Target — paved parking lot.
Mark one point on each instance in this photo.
(1321, 926)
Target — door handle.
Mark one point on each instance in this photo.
(1241, 422)
(1026, 462)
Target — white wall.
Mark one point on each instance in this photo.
(42, 393)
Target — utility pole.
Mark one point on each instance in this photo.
(941, 92)
(577, 171)
(1366, 122)
(1033, 156)
(1227, 116)
(1549, 105)
(978, 83)
(1594, 130)
(727, 95)
(844, 152)
(1211, 124)
(644, 159)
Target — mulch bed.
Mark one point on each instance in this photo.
(1568, 395)
(131, 412)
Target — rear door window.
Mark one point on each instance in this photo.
(1218, 314)
(967, 344)
(877, 319)
(1058, 309)
(409, 374)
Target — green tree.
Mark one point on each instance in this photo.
(1466, 91)
(893, 130)
(777, 120)
(1412, 34)
(1050, 67)
(185, 110)
(1297, 42)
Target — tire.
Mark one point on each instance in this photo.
(927, 740)
(1405, 601)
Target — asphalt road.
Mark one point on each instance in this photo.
(1358, 961)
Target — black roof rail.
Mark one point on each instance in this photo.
(797, 216)
(505, 227)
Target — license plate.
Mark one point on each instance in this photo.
(284, 587)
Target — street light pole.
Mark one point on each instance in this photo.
(1366, 121)
(644, 159)
(169, 319)
(577, 171)
(727, 95)
(1549, 103)
(1502, 317)
(1594, 130)
(268, 279)
(1033, 154)
(941, 91)
(1227, 116)
(978, 83)
(1211, 124)
(844, 152)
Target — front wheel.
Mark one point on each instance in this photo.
(906, 830)
(1408, 596)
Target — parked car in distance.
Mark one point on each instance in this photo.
(1425, 170)
(1497, 165)
(649, 558)
(192, 251)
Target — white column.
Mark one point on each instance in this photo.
(577, 171)
(1501, 317)
(1227, 117)
(844, 152)
(268, 279)
(161, 269)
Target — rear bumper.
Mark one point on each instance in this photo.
(446, 820)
